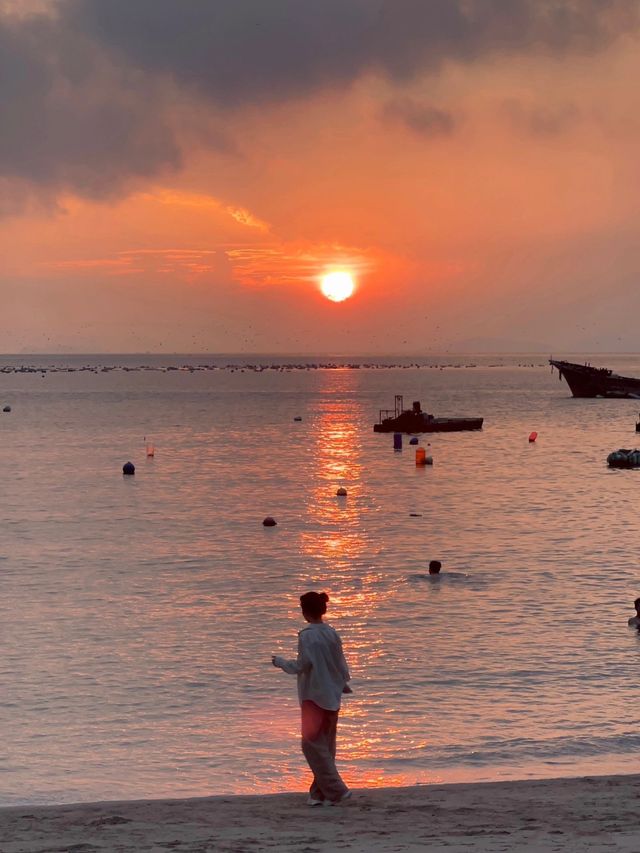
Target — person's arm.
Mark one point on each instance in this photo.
(343, 669)
(294, 667)
(342, 663)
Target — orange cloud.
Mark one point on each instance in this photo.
(279, 263)
(185, 263)
(252, 265)
(244, 217)
(215, 236)
(203, 202)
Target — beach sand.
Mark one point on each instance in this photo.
(592, 813)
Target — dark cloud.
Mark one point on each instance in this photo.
(71, 121)
(541, 120)
(239, 51)
(234, 51)
(423, 119)
(417, 35)
(86, 92)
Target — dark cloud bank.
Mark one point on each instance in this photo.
(240, 51)
(87, 94)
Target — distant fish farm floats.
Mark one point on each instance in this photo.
(163, 366)
(587, 381)
(414, 419)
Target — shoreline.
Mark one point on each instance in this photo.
(584, 813)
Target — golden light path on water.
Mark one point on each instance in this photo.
(337, 535)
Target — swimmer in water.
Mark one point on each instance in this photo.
(434, 567)
(634, 622)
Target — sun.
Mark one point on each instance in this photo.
(337, 286)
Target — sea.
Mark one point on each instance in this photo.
(138, 614)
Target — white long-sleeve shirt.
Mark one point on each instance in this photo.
(320, 666)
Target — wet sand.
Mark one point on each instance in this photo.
(592, 813)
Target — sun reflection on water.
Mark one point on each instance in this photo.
(334, 531)
(335, 534)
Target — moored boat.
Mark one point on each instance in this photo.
(587, 381)
(415, 420)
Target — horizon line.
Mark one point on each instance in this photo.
(307, 355)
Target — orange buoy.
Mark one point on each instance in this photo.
(532, 437)
(421, 456)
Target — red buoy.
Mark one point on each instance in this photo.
(533, 437)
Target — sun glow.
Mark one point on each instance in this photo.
(337, 286)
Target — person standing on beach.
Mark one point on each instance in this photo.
(323, 677)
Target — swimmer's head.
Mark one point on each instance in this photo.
(434, 567)
(636, 604)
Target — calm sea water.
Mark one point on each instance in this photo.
(138, 615)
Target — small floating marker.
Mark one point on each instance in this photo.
(397, 441)
(269, 522)
(421, 456)
(532, 437)
(151, 451)
(415, 514)
(342, 492)
(7, 409)
(297, 418)
(413, 440)
(128, 469)
(624, 459)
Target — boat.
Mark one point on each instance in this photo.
(587, 381)
(414, 419)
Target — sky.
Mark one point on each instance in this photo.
(178, 175)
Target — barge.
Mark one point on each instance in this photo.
(414, 420)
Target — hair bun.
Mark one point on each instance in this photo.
(314, 603)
